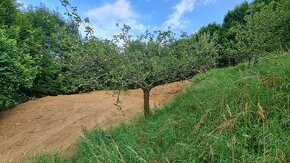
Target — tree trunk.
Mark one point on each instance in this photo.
(146, 93)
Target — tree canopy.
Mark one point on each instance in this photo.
(158, 58)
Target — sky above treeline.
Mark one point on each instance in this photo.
(181, 15)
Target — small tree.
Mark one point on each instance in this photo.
(158, 58)
(151, 59)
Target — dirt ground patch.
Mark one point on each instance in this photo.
(56, 122)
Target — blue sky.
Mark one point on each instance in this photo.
(180, 15)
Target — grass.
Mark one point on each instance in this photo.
(236, 114)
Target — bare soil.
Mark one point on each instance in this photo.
(54, 123)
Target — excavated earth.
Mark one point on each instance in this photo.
(54, 123)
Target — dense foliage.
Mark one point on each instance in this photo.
(251, 30)
(266, 31)
(42, 54)
(17, 70)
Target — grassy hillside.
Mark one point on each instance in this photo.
(236, 114)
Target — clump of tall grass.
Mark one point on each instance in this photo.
(236, 114)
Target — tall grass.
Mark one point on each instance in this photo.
(236, 114)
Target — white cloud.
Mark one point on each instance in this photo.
(121, 9)
(104, 18)
(175, 19)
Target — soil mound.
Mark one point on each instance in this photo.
(56, 122)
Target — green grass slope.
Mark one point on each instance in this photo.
(236, 114)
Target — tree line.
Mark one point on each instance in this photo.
(42, 53)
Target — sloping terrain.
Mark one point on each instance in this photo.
(235, 114)
(54, 123)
